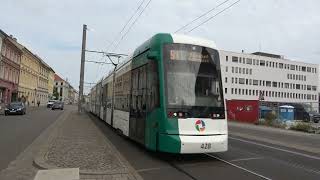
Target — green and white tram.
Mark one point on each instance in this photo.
(167, 96)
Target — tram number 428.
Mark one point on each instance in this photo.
(205, 146)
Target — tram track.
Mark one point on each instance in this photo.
(193, 177)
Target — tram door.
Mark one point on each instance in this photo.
(138, 104)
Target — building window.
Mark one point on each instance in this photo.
(250, 71)
(262, 63)
(308, 69)
(292, 67)
(281, 65)
(234, 59)
(274, 84)
(226, 68)
(231, 90)
(314, 88)
(227, 58)
(241, 81)
(303, 68)
(249, 61)
(268, 83)
(240, 60)
(243, 70)
(61, 83)
(256, 82)
(236, 80)
(232, 80)
(309, 87)
(226, 80)
(236, 69)
(232, 70)
(225, 90)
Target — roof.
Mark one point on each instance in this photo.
(58, 78)
(287, 106)
(268, 55)
(180, 38)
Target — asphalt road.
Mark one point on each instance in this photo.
(246, 159)
(17, 132)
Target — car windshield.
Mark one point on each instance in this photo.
(15, 105)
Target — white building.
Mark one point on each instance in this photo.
(250, 76)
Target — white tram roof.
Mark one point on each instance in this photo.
(181, 38)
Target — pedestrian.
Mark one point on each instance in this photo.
(38, 103)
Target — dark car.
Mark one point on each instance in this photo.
(57, 105)
(15, 108)
(312, 116)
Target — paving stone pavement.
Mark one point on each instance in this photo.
(79, 143)
(72, 141)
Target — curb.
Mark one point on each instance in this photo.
(40, 159)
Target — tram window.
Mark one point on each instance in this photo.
(153, 86)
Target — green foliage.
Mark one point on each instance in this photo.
(305, 127)
(270, 118)
(55, 94)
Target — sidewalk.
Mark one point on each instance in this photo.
(287, 138)
(78, 143)
(72, 141)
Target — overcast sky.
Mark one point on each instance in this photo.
(53, 28)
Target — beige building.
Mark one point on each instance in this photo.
(51, 83)
(43, 81)
(29, 75)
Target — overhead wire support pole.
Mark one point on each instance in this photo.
(83, 57)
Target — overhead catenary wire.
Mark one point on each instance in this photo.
(126, 24)
(199, 17)
(214, 16)
(130, 27)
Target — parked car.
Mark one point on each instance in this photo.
(312, 117)
(15, 108)
(58, 105)
(50, 103)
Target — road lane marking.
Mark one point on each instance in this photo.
(246, 159)
(247, 170)
(279, 149)
(153, 169)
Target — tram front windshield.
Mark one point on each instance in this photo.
(192, 78)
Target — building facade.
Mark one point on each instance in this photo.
(269, 78)
(43, 81)
(64, 91)
(29, 75)
(9, 68)
(62, 88)
(51, 83)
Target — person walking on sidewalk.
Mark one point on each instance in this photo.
(38, 103)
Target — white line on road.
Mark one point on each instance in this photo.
(279, 149)
(246, 159)
(251, 172)
(153, 169)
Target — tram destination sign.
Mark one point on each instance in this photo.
(184, 55)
